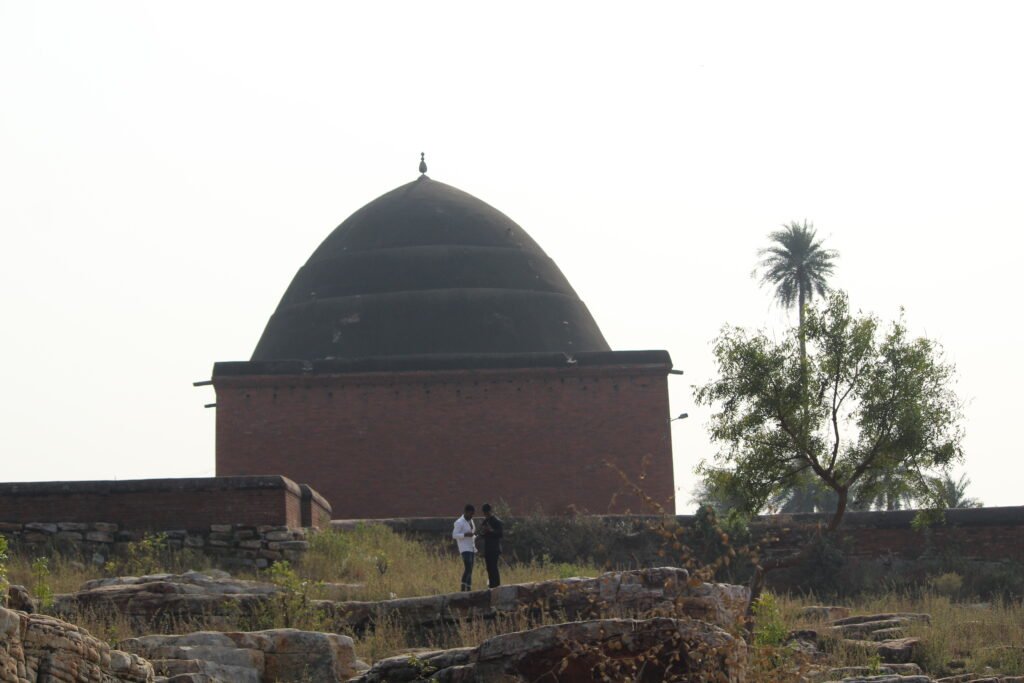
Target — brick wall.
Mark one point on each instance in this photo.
(381, 444)
(161, 504)
(982, 535)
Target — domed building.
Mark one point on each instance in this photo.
(430, 353)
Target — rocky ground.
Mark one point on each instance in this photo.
(216, 599)
(689, 631)
(689, 646)
(882, 638)
(36, 647)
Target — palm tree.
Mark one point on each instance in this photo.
(953, 494)
(807, 494)
(798, 267)
(887, 490)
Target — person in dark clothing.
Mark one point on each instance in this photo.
(492, 532)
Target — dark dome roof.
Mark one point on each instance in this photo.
(427, 269)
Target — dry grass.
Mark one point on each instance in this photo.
(962, 635)
(387, 565)
(65, 575)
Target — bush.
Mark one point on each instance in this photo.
(722, 543)
(3, 570)
(41, 587)
(154, 554)
(820, 570)
(577, 538)
(769, 628)
(294, 606)
(149, 555)
(947, 584)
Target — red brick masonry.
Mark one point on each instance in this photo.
(971, 534)
(424, 442)
(162, 504)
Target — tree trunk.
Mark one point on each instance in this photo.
(844, 494)
(803, 337)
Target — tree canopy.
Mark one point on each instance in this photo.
(865, 404)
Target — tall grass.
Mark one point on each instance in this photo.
(962, 635)
(383, 565)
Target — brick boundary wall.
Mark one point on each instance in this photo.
(427, 441)
(980, 534)
(166, 504)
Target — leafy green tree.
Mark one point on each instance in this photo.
(862, 402)
(797, 266)
(718, 489)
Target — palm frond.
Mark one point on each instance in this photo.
(795, 263)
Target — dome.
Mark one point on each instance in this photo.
(427, 269)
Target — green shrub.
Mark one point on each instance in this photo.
(3, 570)
(293, 606)
(821, 568)
(577, 538)
(769, 627)
(148, 555)
(947, 584)
(41, 587)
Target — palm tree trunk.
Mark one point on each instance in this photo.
(803, 337)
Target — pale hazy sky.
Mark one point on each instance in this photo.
(165, 168)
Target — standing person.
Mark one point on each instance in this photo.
(464, 534)
(491, 530)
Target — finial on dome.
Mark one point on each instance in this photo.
(423, 164)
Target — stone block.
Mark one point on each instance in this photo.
(72, 526)
(41, 527)
(290, 545)
(99, 536)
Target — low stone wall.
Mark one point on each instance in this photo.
(228, 545)
(160, 504)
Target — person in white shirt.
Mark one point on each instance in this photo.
(464, 533)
